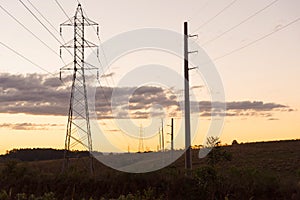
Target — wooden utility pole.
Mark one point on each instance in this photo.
(172, 134)
(162, 135)
(188, 156)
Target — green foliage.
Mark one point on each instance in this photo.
(206, 176)
(298, 173)
(10, 167)
(24, 196)
(218, 154)
(207, 182)
(49, 196)
(251, 183)
(148, 194)
(21, 196)
(4, 195)
(252, 174)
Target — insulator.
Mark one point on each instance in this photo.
(98, 52)
(97, 75)
(97, 30)
(60, 75)
(60, 31)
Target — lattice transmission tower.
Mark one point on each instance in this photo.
(141, 140)
(78, 126)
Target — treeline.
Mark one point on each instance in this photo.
(39, 154)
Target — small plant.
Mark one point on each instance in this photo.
(208, 182)
(49, 196)
(216, 154)
(298, 173)
(206, 176)
(21, 196)
(4, 195)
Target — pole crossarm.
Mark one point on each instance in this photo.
(87, 22)
(195, 35)
(87, 44)
(190, 52)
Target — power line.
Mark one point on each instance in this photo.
(198, 10)
(215, 16)
(94, 50)
(99, 39)
(43, 25)
(63, 10)
(24, 57)
(253, 42)
(78, 1)
(240, 23)
(102, 88)
(37, 10)
(34, 35)
(49, 24)
(257, 40)
(98, 58)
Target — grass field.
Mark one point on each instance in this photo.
(265, 170)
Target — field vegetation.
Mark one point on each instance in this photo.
(265, 170)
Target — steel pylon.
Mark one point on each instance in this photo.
(78, 126)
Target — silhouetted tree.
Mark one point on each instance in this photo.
(217, 153)
(212, 142)
(234, 142)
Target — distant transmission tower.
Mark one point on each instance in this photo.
(141, 139)
(78, 127)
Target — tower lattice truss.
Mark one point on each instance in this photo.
(78, 126)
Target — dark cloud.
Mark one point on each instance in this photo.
(108, 75)
(272, 119)
(40, 94)
(241, 108)
(253, 105)
(197, 87)
(32, 94)
(28, 126)
(52, 82)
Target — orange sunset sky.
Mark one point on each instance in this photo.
(254, 46)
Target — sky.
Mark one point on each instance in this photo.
(252, 45)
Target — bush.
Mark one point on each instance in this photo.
(208, 181)
(234, 142)
(217, 154)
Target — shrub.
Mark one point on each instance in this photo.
(234, 142)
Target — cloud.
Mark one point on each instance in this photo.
(197, 87)
(107, 75)
(272, 119)
(253, 105)
(32, 94)
(28, 126)
(40, 94)
(241, 108)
